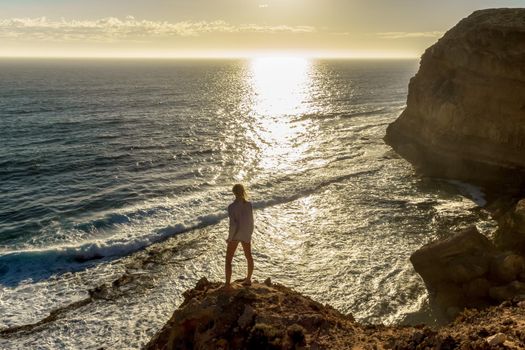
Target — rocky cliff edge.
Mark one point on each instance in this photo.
(271, 316)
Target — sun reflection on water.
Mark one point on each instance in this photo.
(281, 85)
(281, 91)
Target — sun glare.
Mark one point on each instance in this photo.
(281, 88)
(280, 85)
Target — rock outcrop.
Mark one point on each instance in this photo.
(263, 316)
(467, 270)
(271, 316)
(465, 114)
(511, 228)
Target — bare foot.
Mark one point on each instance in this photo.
(247, 282)
(227, 286)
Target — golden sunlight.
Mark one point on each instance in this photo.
(280, 85)
(281, 88)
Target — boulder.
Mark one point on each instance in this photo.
(456, 270)
(508, 291)
(506, 267)
(455, 260)
(465, 114)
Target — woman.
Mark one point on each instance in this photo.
(241, 229)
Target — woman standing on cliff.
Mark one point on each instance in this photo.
(240, 213)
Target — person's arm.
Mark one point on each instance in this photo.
(233, 225)
(251, 211)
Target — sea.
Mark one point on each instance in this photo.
(115, 176)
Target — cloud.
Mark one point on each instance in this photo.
(129, 28)
(263, 6)
(405, 35)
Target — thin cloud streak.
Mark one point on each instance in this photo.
(129, 28)
(405, 35)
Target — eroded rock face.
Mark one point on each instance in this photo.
(511, 231)
(467, 270)
(465, 115)
(455, 270)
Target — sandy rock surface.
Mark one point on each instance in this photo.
(271, 316)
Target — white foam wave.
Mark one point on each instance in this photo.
(473, 192)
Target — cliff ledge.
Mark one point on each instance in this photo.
(271, 316)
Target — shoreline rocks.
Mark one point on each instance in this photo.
(465, 119)
(511, 229)
(467, 270)
(465, 114)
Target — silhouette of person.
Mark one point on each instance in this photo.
(240, 213)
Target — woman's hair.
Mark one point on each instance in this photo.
(239, 192)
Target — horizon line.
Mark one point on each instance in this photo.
(349, 57)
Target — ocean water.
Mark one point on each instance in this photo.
(115, 176)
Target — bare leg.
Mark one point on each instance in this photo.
(247, 248)
(230, 252)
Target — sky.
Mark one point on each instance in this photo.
(229, 28)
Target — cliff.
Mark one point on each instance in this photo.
(271, 316)
(465, 114)
(465, 118)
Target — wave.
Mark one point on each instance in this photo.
(387, 109)
(37, 264)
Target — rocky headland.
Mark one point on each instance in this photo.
(465, 114)
(465, 119)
